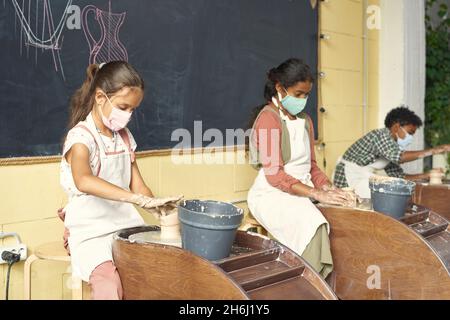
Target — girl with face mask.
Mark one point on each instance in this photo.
(383, 149)
(282, 149)
(100, 175)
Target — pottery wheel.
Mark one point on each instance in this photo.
(154, 237)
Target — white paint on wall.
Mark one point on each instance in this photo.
(391, 85)
(402, 64)
(414, 74)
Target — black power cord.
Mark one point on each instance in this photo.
(10, 258)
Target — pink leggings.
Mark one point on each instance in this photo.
(105, 282)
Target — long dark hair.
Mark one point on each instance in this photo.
(111, 77)
(287, 74)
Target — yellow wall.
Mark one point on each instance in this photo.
(342, 61)
(373, 76)
(31, 194)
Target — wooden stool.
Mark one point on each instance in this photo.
(252, 223)
(53, 251)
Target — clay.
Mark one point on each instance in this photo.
(436, 176)
(170, 225)
(354, 199)
(166, 211)
(170, 229)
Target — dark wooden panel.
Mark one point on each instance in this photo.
(249, 259)
(437, 198)
(258, 276)
(441, 242)
(297, 288)
(151, 271)
(165, 272)
(362, 241)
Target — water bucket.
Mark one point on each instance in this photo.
(391, 195)
(208, 228)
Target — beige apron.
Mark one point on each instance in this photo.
(292, 220)
(92, 220)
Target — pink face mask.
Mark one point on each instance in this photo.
(118, 119)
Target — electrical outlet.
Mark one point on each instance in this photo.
(18, 248)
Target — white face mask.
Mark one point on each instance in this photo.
(406, 141)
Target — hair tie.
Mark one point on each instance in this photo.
(101, 65)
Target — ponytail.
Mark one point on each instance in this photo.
(269, 88)
(82, 101)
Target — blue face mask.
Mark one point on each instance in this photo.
(406, 141)
(292, 104)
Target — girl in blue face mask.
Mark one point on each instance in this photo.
(282, 145)
(383, 149)
(294, 103)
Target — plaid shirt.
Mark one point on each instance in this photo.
(376, 144)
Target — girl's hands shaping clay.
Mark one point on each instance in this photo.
(352, 199)
(328, 187)
(156, 206)
(333, 196)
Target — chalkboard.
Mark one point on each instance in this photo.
(202, 60)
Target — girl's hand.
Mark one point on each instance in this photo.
(349, 193)
(328, 187)
(332, 197)
(156, 206)
(149, 202)
(168, 209)
(352, 197)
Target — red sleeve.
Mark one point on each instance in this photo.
(318, 177)
(268, 139)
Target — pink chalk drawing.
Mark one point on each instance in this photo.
(50, 37)
(108, 47)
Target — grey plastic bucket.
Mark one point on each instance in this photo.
(391, 196)
(208, 228)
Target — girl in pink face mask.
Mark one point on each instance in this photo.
(119, 116)
(100, 175)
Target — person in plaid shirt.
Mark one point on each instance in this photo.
(382, 149)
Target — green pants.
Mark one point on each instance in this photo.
(318, 252)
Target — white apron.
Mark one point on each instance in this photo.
(92, 220)
(292, 220)
(358, 176)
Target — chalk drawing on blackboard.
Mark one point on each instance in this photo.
(31, 38)
(108, 47)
